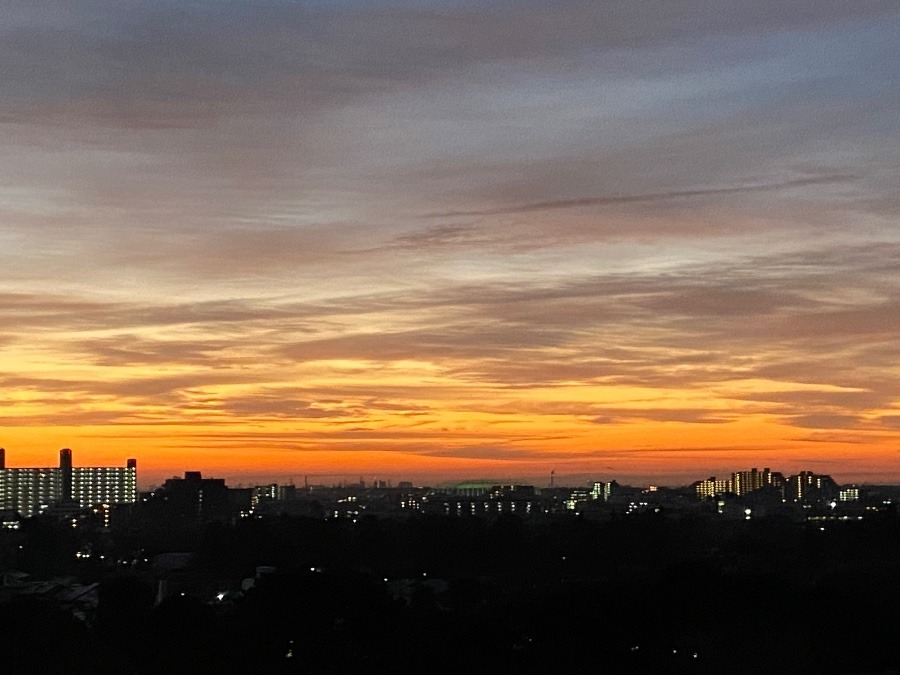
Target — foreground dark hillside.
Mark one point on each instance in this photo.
(446, 594)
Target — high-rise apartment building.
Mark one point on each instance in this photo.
(33, 490)
(105, 484)
(712, 487)
(601, 490)
(807, 485)
(741, 483)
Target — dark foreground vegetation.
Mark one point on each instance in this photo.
(434, 594)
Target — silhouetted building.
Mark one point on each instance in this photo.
(711, 487)
(741, 483)
(240, 500)
(601, 490)
(32, 490)
(498, 491)
(745, 482)
(576, 497)
(809, 486)
(103, 484)
(65, 475)
(196, 498)
(472, 489)
(849, 493)
(273, 492)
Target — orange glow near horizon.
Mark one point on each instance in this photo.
(455, 446)
(251, 423)
(435, 418)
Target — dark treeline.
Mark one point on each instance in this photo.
(636, 594)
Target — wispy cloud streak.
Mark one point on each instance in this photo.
(616, 200)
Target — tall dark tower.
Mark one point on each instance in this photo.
(2, 458)
(65, 472)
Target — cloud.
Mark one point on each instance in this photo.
(134, 350)
(824, 421)
(889, 421)
(494, 453)
(684, 415)
(160, 65)
(615, 200)
(271, 403)
(472, 226)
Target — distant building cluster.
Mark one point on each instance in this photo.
(63, 490)
(484, 499)
(803, 486)
(745, 494)
(31, 491)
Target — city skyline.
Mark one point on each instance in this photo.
(452, 239)
(552, 479)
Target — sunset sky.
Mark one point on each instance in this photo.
(642, 240)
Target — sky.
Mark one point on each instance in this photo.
(641, 240)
